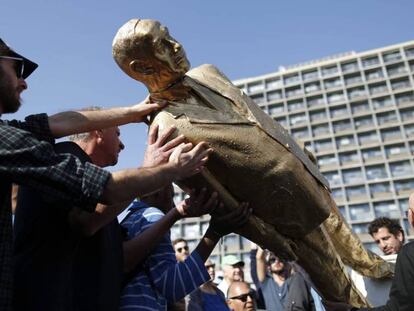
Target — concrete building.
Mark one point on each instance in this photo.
(355, 112)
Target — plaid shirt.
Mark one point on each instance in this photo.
(27, 157)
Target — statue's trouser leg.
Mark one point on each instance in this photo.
(351, 250)
(318, 257)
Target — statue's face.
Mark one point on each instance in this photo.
(166, 49)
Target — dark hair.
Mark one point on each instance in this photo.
(392, 225)
(176, 241)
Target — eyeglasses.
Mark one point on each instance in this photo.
(18, 65)
(243, 297)
(272, 260)
(210, 266)
(180, 249)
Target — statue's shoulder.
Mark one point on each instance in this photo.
(208, 72)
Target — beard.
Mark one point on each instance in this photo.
(9, 99)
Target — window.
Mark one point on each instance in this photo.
(300, 133)
(321, 129)
(407, 114)
(400, 84)
(349, 157)
(404, 98)
(386, 117)
(404, 185)
(391, 56)
(342, 125)
(338, 111)
(296, 105)
(360, 212)
(191, 230)
(379, 188)
(318, 115)
(378, 88)
(382, 102)
(356, 92)
(330, 70)
(409, 52)
(360, 228)
(258, 99)
(312, 87)
(310, 75)
(370, 61)
(387, 209)
(291, 79)
(355, 192)
(293, 91)
(282, 121)
(376, 172)
(332, 83)
(231, 242)
(337, 194)
(409, 130)
(315, 101)
(322, 145)
(327, 160)
(371, 153)
(273, 83)
(374, 74)
(396, 70)
(349, 67)
(298, 118)
(353, 79)
(352, 176)
(391, 134)
(335, 97)
(255, 87)
(274, 95)
(402, 168)
(276, 109)
(345, 141)
(176, 232)
(363, 122)
(393, 150)
(359, 107)
(333, 177)
(368, 137)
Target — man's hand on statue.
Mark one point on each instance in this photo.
(198, 205)
(222, 225)
(158, 149)
(187, 160)
(144, 108)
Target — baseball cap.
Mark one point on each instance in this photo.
(231, 260)
(29, 66)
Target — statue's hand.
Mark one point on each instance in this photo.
(228, 223)
(158, 149)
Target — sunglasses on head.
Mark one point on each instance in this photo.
(180, 249)
(18, 65)
(243, 297)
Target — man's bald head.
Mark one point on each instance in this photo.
(240, 297)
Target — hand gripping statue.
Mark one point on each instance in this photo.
(255, 160)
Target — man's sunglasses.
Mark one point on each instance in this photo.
(18, 65)
(243, 297)
(210, 266)
(272, 260)
(180, 249)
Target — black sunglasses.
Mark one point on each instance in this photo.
(18, 65)
(180, 249)
(243, 297)
(272, 260)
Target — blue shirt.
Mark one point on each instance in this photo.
(161, 278)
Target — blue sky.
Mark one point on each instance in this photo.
(71, 41)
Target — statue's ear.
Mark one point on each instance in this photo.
(141, 67)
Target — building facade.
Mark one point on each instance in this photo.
(355, 112)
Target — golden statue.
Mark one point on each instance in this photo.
(255, 160)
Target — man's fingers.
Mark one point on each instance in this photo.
(164, 136)
(153, 134)
(172, 143)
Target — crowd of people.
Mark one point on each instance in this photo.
(66, 249)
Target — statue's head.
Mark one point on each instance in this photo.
(146, 52)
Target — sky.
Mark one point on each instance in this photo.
(71, 41)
